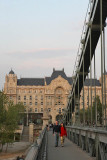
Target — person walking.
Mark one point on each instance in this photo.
(56, 132)
(63, 133)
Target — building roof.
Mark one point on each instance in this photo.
(95, 82)
(30, 82)
(41, 81)
(55, 74)
(11, 72)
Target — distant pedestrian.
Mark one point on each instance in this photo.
(63, 133)
(47, 126)
(56, 132)
(22, 157)
(52, 125)
(18, 158)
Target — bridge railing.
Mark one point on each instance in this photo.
(38, 151)
(92, 140)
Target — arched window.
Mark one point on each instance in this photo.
(59, 96)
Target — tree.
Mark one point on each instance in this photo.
(96, 104)
(9, 118)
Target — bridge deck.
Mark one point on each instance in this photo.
(70, 151)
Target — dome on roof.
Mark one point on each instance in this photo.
(11, 72)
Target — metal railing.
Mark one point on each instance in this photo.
(92, 140)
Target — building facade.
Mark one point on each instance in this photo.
(49, 92)
(39, 93)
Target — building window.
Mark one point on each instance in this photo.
(30, 110)
(36, 103)
(62, 109)
(49, 97)
(24, 103)
(59, 91)
(24, 97)
(49, 109)
(36, 110)
(36, 97)
(25, 110)
(41, 97)
(59, 103)
(10, 97)
(41, 103)
(30, 103)
(19, 98)
(40, 91)
(10, 91)
(59, 97)
(41, 109)
(59, 110)
(47, 103)
(30, 97)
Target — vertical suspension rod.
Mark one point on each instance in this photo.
(78, 102)
(95, 91)
(91, 73)
(88, 101)
(83, 95)
(91, 67)
(101, 60)
(74, 105)
(104, 75)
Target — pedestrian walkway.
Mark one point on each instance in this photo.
(70, 151)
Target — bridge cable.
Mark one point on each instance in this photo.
(83, 95)
(101, 60)
(104, 75)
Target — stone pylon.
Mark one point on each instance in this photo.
(31, 128)
(45, 118)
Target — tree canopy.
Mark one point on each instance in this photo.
(95, 112)
(10, 115)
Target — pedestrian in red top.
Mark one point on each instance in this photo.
(63, 133)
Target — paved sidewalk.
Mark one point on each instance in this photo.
(70, 151)
(14, 150)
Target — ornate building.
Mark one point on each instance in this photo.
(39, 93)
(49, 92)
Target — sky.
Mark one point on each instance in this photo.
(39, 35)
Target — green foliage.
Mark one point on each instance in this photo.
(3, 102)
(97, 104)
(10, 115)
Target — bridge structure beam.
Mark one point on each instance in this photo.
(93, 31)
